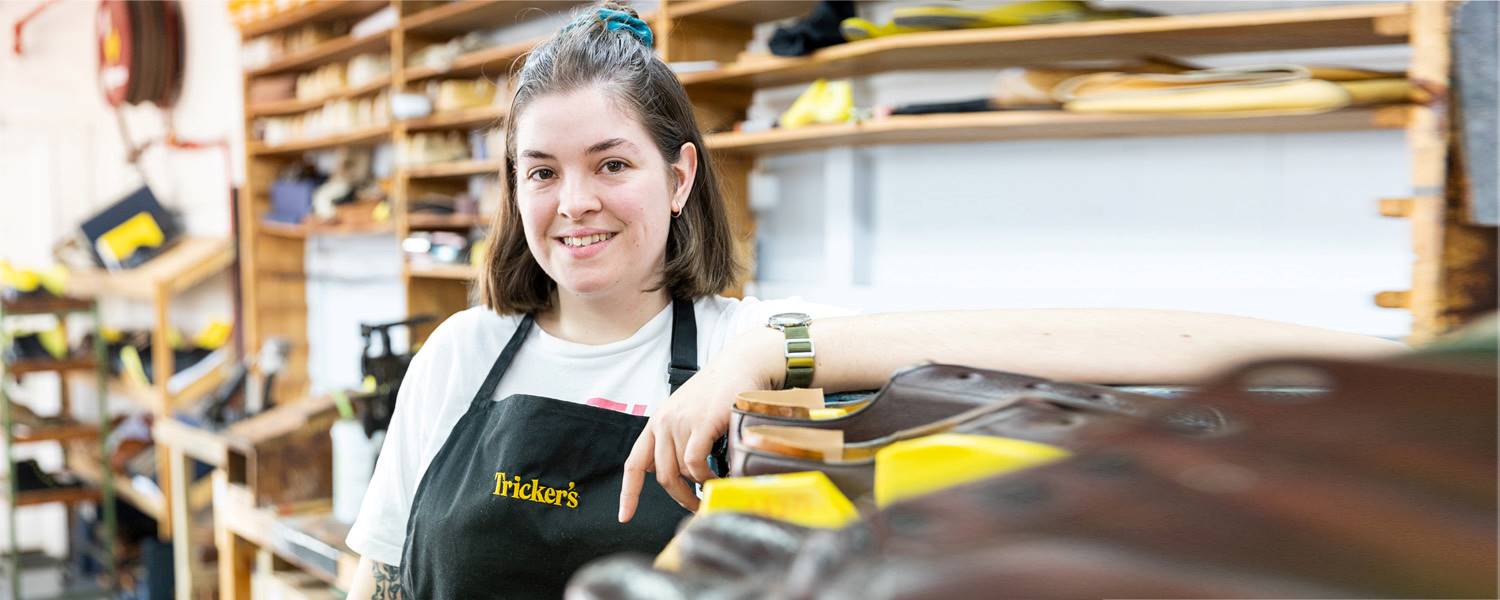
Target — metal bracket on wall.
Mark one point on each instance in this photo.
(21, 23)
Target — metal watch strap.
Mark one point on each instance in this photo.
(799, 357)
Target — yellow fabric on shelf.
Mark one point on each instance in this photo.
(855, 29)
(1005, 15)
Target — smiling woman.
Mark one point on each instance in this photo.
(580, 372)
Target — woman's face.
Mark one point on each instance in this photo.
(595, 195)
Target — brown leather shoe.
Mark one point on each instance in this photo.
(939, 398)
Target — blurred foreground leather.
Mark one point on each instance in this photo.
(1384, 486)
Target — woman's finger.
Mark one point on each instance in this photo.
(695, 454)
(667, 474)
(636, 467)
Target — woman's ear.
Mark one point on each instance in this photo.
(684, 171)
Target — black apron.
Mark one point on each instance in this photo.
(526, 490)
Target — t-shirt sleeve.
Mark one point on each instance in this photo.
(379, 532)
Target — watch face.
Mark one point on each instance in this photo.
(790, 320)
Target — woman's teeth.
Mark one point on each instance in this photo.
(587, 240)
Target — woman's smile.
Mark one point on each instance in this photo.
(585, 245)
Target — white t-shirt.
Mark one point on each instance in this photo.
(627, 376)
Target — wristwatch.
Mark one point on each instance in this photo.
(799, 348)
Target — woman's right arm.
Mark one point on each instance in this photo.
(375, 581)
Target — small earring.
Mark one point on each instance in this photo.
(676, 213)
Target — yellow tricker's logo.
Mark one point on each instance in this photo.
(534, 491)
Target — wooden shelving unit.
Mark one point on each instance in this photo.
(425, 221)
(360, 137)
(91, 471)
(455, 272)
(1020, 125)
(306, 230)
(19, 427)
(34, 365)
(464, 168)
(488, 62)
(187, 264)
(1192, 35)
(489, 116)
(311, 13)
(286, 107)
(328, 52)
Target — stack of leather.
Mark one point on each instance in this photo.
(1379, 484)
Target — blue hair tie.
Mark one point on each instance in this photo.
(619, 19)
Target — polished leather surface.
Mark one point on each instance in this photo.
(1040, 410)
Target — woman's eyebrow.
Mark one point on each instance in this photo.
(607, 144)
(537, 154)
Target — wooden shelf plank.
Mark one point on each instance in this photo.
(151, 399)
(81, 463)
(200, 444)
(455, 272)
(331, 51)
(311, 13)
(462, 168)
(305, 230)
(475, 118)
(42, 365)
(1012, 125)
(458, 18)
(746, 12)
(293, 106)
(1187, 35)
(490, 62)
(54, 432)
(66, 495)
(182, 266)
(430, 221)
(358, 137)
(45, 305)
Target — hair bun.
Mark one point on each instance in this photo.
(623, 18)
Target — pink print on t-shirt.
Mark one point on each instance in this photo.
(607, 404)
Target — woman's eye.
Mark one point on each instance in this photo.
(542, 174)
(614, 166)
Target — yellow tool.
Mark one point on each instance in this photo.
(135, 233)
(808, 499)
(928, 464)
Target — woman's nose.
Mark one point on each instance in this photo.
(577, 199)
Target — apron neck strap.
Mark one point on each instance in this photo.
(502, 363)
(684, 343)
(684, 362)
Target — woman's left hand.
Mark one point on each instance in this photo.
(681, 433)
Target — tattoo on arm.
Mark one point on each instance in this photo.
(387, 582)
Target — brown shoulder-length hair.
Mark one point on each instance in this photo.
(700, 254)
